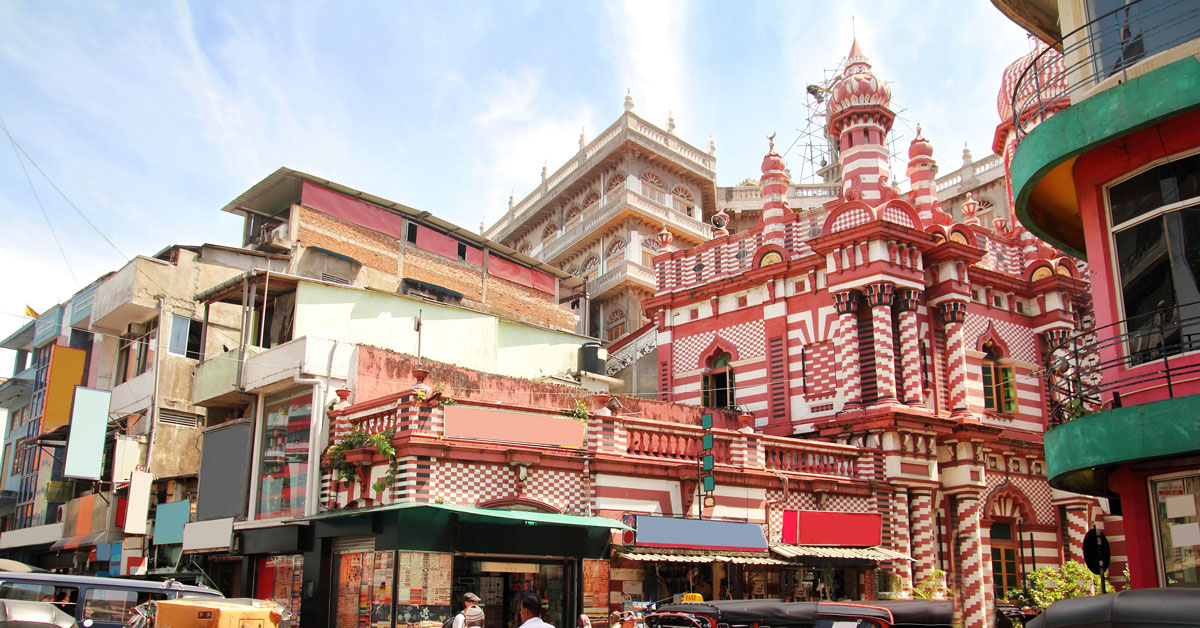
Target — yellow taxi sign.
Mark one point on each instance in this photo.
(692, 597)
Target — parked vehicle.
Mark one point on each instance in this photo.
(94, 602)
(1145, 608)
(779, 614)
(25, 614)
(210, 613)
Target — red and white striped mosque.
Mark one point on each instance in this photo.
(877, 320)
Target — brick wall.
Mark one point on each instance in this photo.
(373, 249)
(527, 304)
(455, 275)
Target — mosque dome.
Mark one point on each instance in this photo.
(920, 147)
(859, 86)
(1052, 78)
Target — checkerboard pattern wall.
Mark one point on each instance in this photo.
(747, 337)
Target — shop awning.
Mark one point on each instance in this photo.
(836, 551)
(416, 512)
(666, 555)
(87, 540)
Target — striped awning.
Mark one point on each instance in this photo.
(667, 555)
(87, 540)
(837, 551)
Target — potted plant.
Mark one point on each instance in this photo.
(351, 457)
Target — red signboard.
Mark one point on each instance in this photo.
(819, 527)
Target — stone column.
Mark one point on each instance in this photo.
(968, 548)
(879, 296)
(1058, 373)
(901, 537)
(910, 348)
(924, 537)
(847, 309)
(954, 313)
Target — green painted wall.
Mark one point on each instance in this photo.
(1140, 102)
(1148, 430)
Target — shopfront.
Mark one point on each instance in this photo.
(410, 564)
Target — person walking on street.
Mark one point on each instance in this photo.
(531, 613)
(614, 619)
(471, 615)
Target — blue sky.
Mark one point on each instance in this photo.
(151, 116)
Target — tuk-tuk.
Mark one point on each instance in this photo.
(1148, 608)
(734, 614)
(780, 614)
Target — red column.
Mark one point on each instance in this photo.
(968, 548)
(879, 296)
(924, 537)
(847, 309)
(910, 348)
(1077, 528)
(901, 538)
(954, 313)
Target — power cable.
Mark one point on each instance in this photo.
(17, 152)
(17, 146)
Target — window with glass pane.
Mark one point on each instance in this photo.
(283, 454)
(1157, 237)
(718, 388)
(1125, 32)
(999, 386)
(1175, 501)
(185, 337)
(114, 605)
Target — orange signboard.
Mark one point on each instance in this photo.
(514, 427)
(66, 372)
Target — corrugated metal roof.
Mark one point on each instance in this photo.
(837, 551)
(704, 558)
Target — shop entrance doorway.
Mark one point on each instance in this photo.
(503, 582)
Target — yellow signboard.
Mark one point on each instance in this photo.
(65, 373)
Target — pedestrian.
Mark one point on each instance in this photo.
(531, 613)
(471, 615)
(585, 621)
(628, 619)
(614, 619)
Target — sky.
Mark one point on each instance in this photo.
(149, 117)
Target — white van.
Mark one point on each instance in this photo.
(94, 602)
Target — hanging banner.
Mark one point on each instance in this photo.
(139, 502)
(85, 444)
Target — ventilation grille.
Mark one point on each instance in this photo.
(334, 279)
(182, 419)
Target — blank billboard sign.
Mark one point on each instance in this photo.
(139, 502)
(85, 445)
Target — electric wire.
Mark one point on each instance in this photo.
(17, 153)
(17, 146)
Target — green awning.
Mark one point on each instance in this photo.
(419, 510)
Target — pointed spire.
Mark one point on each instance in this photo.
(543, 171)
(670, 122)
(510, 200)
(582, 141)
(857, 58)
(966, 155)
(712, 147)
(628, 100)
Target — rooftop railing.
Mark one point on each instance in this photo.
(1091, 371)
(1104, 47)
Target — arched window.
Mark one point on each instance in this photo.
(614, 327)
(573, 213)
(683, 200)
(591, 198)
(616, 248)
(999, 387)
(617, 179)
(551, 229)
(525, 246)
(718, 382)
(654, 187)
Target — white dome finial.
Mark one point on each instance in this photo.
(628, 100)
(670, 122)
(582, 141)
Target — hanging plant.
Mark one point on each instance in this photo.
(345, 457)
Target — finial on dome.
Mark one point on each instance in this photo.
(857, 56)
(543, 171)
(670, 122)
(510, 201)
(919, 132)
(969, 207)
(966, 154)
(712, 147)
(771, 139)
(628, 100)
(582, 141)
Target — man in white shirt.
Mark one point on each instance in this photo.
(531, 613)
(471, 615)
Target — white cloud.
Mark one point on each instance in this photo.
(649, 49)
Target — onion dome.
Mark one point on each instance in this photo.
(772, 162)
(1051, 78)
(920, 147)
(859, 86)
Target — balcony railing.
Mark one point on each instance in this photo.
(1106, 46)
(1090, 372)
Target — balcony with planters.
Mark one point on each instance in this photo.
(1121, 393)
